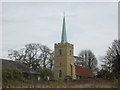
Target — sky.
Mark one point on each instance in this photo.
(89, 25)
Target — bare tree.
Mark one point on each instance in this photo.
(16, 54)
(88, 59)
(33, 55)
(51, 60)
(46, 55)
(78, 60)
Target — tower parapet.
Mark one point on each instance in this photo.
(62, 45)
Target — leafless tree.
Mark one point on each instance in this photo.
(46, 56)
(78, 60)
(88, 59)
(33, 55)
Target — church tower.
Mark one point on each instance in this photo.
(64, 67)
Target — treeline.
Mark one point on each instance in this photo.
(40, 57)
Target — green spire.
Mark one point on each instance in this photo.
(64, 35)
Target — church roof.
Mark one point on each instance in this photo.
(64, 34)
(83, 71)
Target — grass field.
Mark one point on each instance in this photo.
(93, 83)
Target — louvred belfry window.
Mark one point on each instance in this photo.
(60, 52)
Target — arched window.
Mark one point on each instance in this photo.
(71, 69)
(60, 74)
(60, 52)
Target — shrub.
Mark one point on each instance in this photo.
(12, 76)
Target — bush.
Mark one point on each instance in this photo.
(12, 76)
(105, 74)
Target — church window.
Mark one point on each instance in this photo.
(60, 52)
(60, 73)
(71, 69)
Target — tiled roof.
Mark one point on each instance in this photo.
(83, 71)
(17, 65)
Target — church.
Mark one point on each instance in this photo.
(64, 67)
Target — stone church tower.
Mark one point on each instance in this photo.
(64, 67)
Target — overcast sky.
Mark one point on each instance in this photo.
(92, 25)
